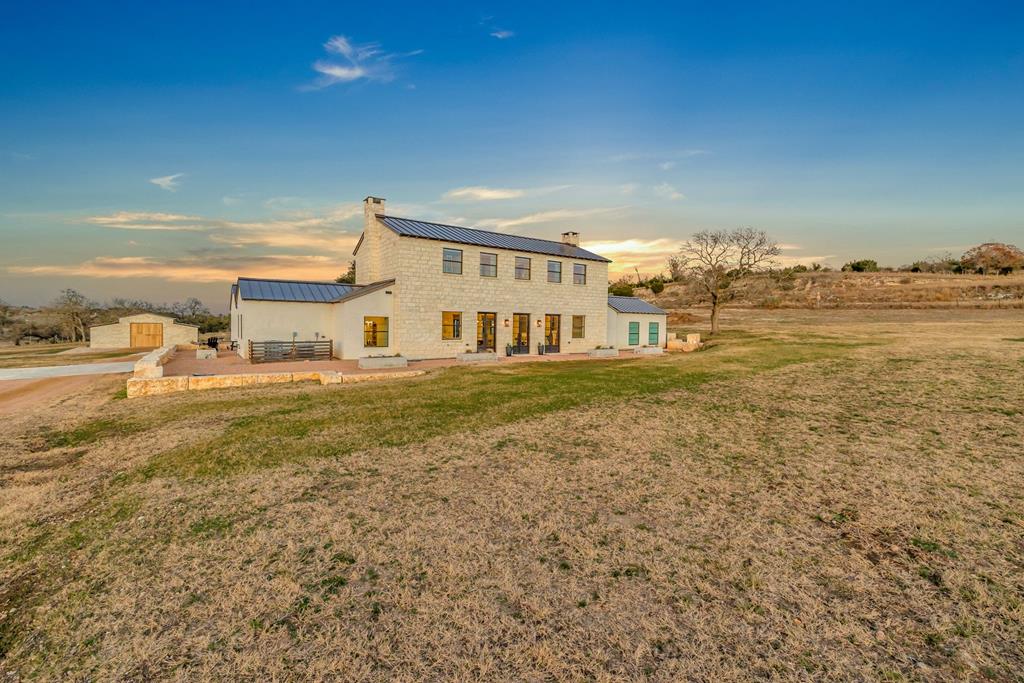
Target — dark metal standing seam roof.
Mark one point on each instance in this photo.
(485, 238)
(293, 290)
(631, 304)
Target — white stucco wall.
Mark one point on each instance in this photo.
(348, 323)
(277, 320)
(618, 328)
(118, 335)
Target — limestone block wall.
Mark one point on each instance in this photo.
(618, 328)
(426, 291)
(118, 335)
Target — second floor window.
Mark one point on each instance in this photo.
(522, 268)
(451, 325)
(579, 274)
(452, 261)
(554, 271)
(488, 265)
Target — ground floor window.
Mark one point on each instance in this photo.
(451, 325)
(652, 334)
(579, 327)
(634, 334)
(375, 331)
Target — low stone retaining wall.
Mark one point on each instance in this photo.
(375, 362)
(648, 350)
(156, 386)
(603, 353)
(151, 365)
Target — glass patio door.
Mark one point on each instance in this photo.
(520, 333)
(552, 333)
(486, 329)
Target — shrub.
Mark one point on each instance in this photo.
(620, 288)
(862, 266)
(657, 286)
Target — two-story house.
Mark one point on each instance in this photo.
(427, 290)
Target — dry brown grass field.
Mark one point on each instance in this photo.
(817, 496)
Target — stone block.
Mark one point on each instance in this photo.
(266, 378)
(378, 376)
(331, 377)
(155, 387)
(215, 382)
(603, 353)
(693, 338)
(648, 350)
(206, 354)
(306, 376)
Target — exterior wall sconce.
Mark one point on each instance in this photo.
(506, 323)
(538, 322)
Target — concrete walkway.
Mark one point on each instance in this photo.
(66, 370)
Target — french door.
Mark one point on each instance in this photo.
(486, 329)
(552, 333)
(520, 333)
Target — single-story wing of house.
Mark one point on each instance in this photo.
(142, 331)
(429, 290)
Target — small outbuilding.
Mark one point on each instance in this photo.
(633, 323)
(142, 331)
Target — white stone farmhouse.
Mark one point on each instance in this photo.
(427, 290)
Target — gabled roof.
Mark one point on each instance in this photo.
(631, 304)
(484, 238)
(304, 291)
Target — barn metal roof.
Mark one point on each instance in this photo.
(485, 238)
(304, 291)
(631, 304)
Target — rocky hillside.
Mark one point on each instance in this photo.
(864, 290)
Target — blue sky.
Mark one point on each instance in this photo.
(158, 150)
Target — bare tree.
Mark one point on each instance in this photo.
(74, 312)
(715, 260)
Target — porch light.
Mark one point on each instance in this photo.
(507, 323)
(538, 322)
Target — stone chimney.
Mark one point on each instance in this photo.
(369, 264)
(571, 238)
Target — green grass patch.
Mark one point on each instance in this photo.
(87, 433)
(269, 429)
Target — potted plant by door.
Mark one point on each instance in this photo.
(508, 350)
(540, 348)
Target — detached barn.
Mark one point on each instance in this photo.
(142, 331)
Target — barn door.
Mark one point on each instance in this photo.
(147, 335)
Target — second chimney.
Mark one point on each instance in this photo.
(572, 238)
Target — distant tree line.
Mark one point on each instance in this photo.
(712, 262)
(70, 315)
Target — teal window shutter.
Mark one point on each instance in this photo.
(652, 334)
(634, 334)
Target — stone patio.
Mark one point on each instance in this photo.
(230, 363)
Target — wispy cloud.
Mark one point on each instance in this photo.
(482, 194)
(553, 216)
(667, 165)
(502, 34)
(667, 191)
(352, 62)
(649, 256)
(194, 268)
(148, 220)
(168, 182)
(628, 188)
(322, 229)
